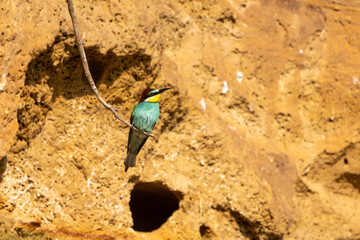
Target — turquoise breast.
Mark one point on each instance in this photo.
(145, 115)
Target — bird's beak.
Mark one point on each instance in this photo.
(163, 90)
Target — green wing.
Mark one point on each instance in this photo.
(129, 138)
(144, 116)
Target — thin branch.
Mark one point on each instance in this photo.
(87, 71)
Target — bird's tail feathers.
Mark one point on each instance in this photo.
(130, 160)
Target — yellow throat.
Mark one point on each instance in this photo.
(153, 99)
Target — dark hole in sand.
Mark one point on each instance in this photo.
(152, 204)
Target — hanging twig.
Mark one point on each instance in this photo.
(87, 71)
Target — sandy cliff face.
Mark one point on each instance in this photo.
(258, 139)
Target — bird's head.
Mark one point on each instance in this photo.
(152, 95)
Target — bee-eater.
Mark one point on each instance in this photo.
(144, 117)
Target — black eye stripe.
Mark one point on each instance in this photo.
(151, 94)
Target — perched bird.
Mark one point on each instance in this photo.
(144, 117)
